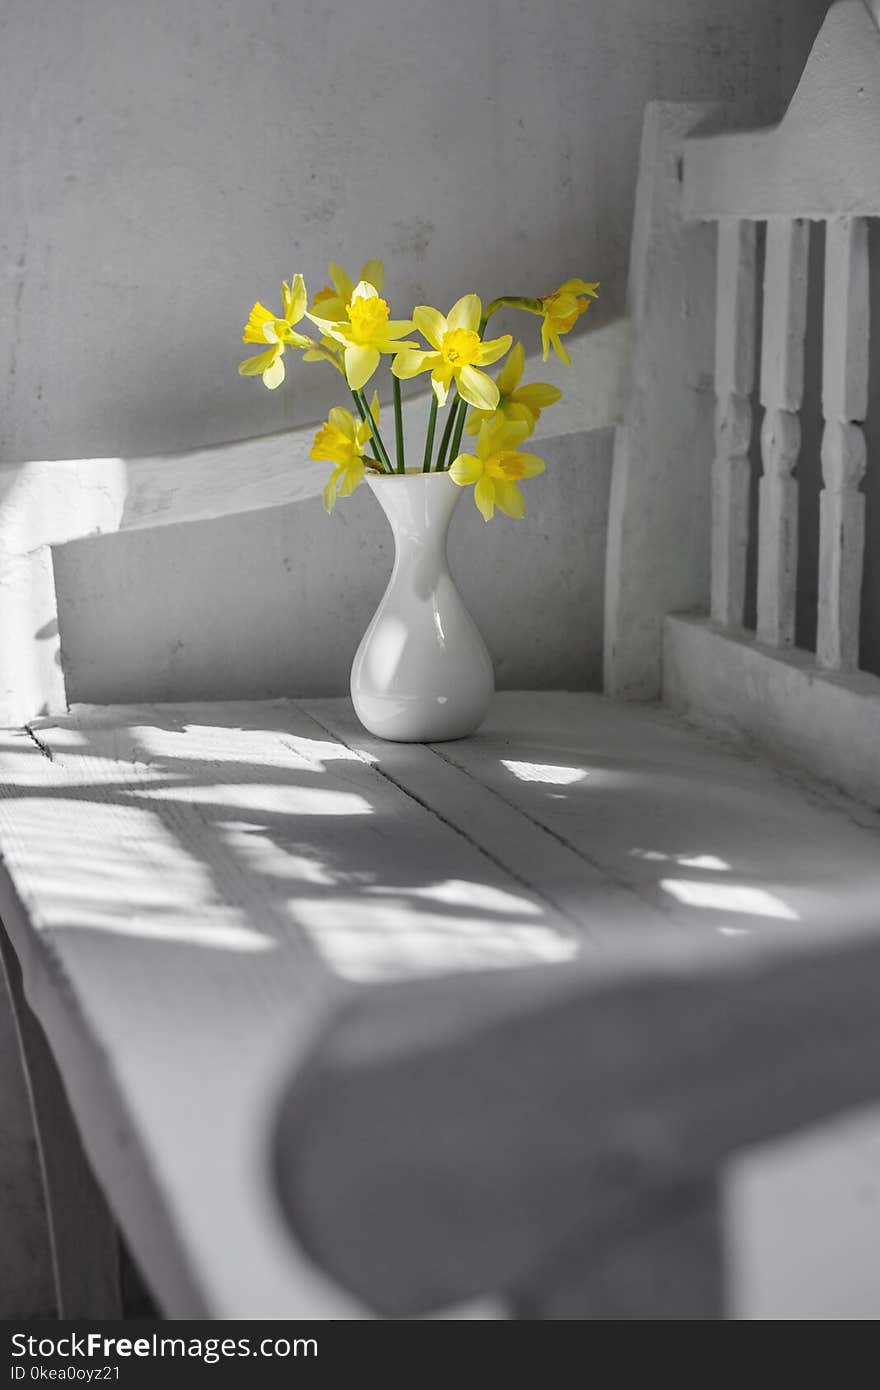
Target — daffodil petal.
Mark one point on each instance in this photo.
(559, 348)
(342, 420)
(509, 498)
(538, 395)
(477, 388)
(493, 349)
(475, 419)
(509, 434)
(375, 408)
(255, 366)
(465, 313)
(297, 300)
(341, 282)
(360, 363)
(441, 380)
(545, 340)
(274, 373)
(330, 487)
(374, 271)
(580, 287)
(465, 470)
(398, 328)
(430, 323)
(511, 373)
(484, 497)
(364, 290)
(410, 361)
(351, 477)
(515, 410)
(532, 465)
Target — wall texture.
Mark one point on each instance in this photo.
(165, 164)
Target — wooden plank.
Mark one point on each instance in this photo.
(657, 555)
(255, 868)
(782, 384)
(845, 366)
(230, 896)
(828, 724)
(734, 374)
(82, 1234)
(597, 905)
(822, 157)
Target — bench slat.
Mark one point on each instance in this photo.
(204, 897)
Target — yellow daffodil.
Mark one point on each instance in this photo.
(365, 333)
(342, 441)
(265, 327)
(498, 466)
(333, 298)
(561, 311)
(458, 353)
(516, 402)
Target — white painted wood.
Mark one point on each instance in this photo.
(193, 891)
(844, 401)
(828, 723)
(657, 555)
(734, 376)
(782, 381)
(822, 158)
(846, 319)
(45, 504)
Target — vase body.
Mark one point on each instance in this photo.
(422, 673)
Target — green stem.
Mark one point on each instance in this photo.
(398, 426)
(429, 438)
(447, 432)
(459, 430)
(360, 401)
(516, 301)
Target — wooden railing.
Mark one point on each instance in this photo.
(820, 164)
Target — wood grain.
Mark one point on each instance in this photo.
(213, 904)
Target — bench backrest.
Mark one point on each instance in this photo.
(703, 199)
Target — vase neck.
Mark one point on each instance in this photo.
(419, 508)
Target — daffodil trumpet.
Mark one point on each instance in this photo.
(356, 331)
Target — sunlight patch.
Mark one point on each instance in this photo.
(729, 897)
(549, 773)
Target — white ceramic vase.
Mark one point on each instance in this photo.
(422, 673)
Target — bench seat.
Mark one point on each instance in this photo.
(224, 913)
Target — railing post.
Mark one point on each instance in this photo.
(844, 404)
(782, 384)
(734, 376)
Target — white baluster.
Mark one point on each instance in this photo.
(782, 385)
(734, 375)
(844, 403)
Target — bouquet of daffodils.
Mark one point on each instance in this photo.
(355, 331)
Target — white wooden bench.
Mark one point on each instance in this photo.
(347, 1028)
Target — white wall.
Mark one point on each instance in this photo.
(166, 163)
(170, 162)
